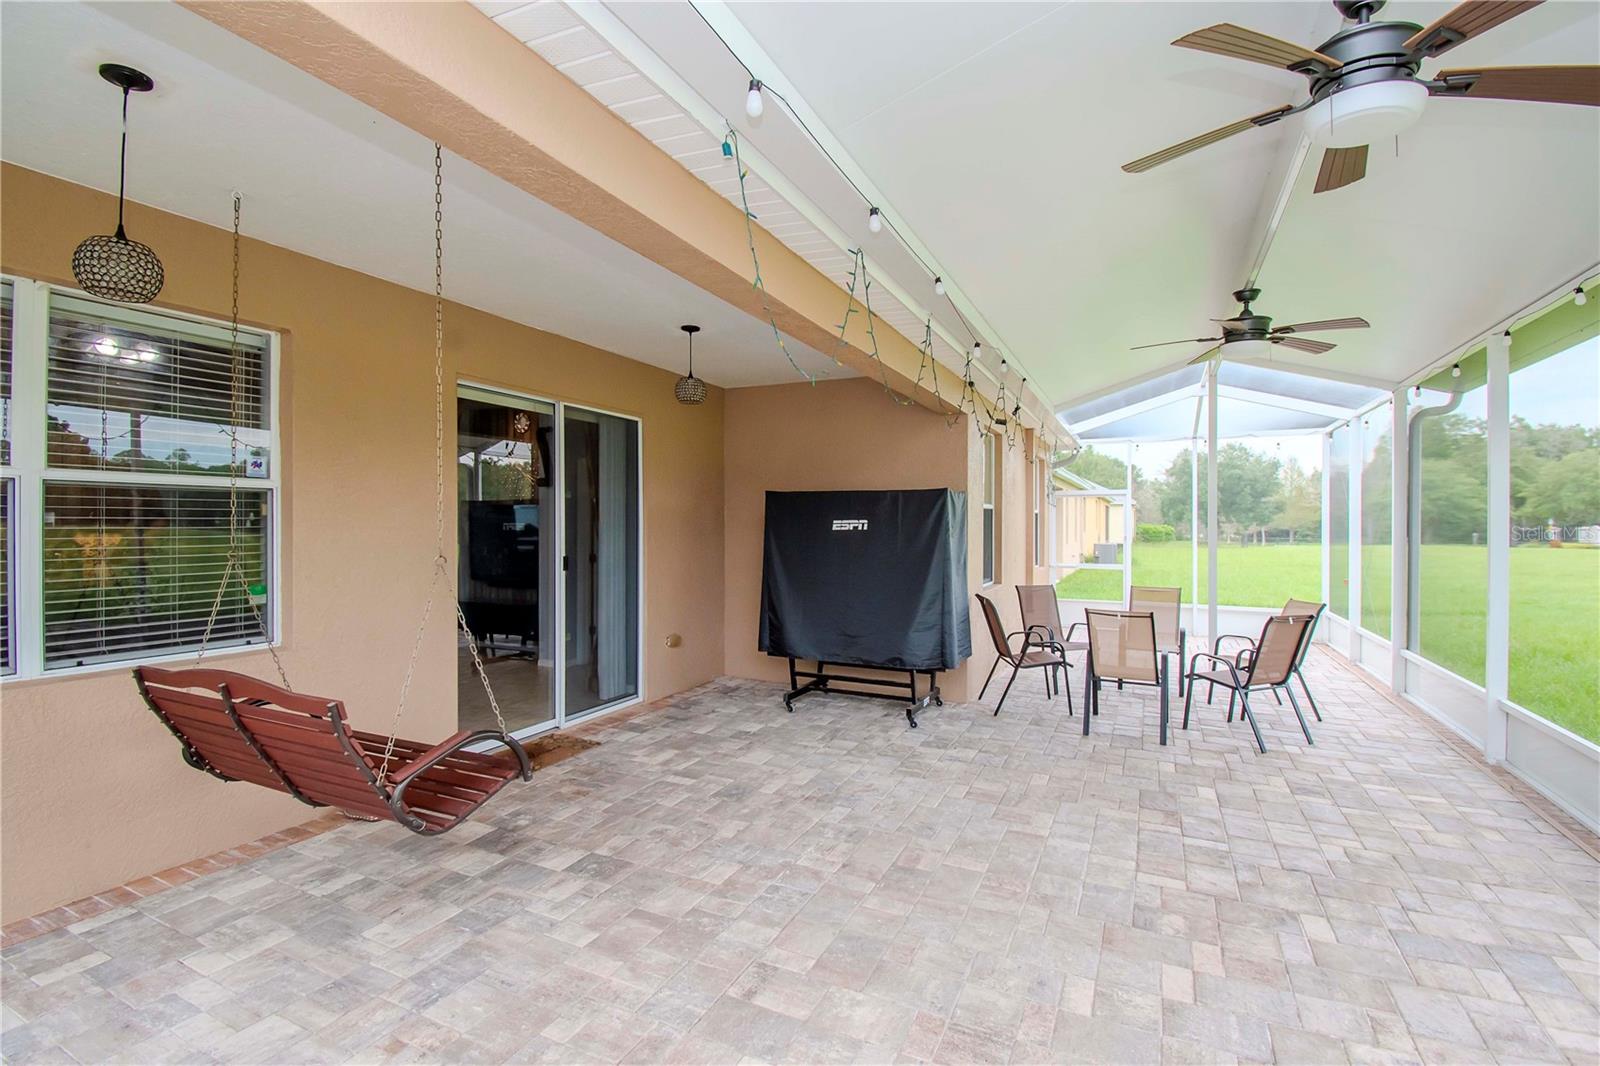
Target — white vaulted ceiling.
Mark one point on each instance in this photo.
(994, 134)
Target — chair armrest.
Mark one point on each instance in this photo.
(1227, 664)
(1041, 637)
(1216, 645)
(1048, 640)
(1073, 628)
(403, 775)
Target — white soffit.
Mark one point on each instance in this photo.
(328, 176)
(586, 42)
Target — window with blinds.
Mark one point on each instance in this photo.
(5, 371)
(133, 390)
(132, 571)
(115, 492)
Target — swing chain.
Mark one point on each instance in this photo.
(441, 562)
(234, 568)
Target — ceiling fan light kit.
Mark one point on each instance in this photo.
(1247, 348)
(1363, 114)
(1365, 81)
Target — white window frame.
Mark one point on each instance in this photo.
(29, 471)
(1039, 474)
(991, 492)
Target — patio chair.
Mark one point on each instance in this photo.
(1293, 607)
(1041, 610)
(1123, 648)
(1038, 651)
(240, 729)
(1269, 666)
(1167, 606)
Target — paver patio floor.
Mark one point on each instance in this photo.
(724, 882)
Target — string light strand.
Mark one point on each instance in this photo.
(760, 284)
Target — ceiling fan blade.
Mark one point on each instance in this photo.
(1326, 323)
(1341, 167)
(1165, 344)
(1166, 155)
(1464, 22)
(1304, 344)
(1204, 356)
(1226, 39)
(1545, 85)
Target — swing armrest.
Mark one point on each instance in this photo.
(402, 776)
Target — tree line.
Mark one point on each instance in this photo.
(1555, 478)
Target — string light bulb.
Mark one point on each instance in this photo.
(938, 288)
(753, 103)
(875, 220)
(1455, 371)
(977, 350)
(1579, 297)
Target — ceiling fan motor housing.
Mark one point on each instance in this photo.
(1373, 92)
(1246, 325)
(1367, 52)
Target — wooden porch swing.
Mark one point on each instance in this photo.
(239, 728)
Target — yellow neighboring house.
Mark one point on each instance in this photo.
(1083, 522)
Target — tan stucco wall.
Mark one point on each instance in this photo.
(849, 435)
(832, 435)
(92, 790)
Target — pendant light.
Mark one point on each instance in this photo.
(113, 266)
(690, 390)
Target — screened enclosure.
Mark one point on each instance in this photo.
(1451, 523)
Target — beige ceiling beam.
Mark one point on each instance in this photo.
(448, 72)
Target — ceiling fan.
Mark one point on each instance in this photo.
(1364, 81)
(1248, 335)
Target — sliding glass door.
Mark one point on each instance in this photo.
(548, 563)
(507, 557)
(602, 548)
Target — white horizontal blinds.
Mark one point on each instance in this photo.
(136, 390)
(132, 571)
(6, 332)
(8, 660)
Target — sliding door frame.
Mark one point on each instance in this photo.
(491, 393)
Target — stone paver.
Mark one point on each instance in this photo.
(723, 882)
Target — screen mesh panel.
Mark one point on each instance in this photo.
(5, 371)
(136, 390)
(7, 656)
(132, 570)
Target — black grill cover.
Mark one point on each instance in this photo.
(867, 578)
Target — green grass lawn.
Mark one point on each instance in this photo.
(1246, 577)
(1555, 608)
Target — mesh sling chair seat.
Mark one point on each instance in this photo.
(1041, 612)
(238, 728)
(1038, 651)
(1293, 607)
(1167, 606)
(1123, 647)
(1269, 667)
